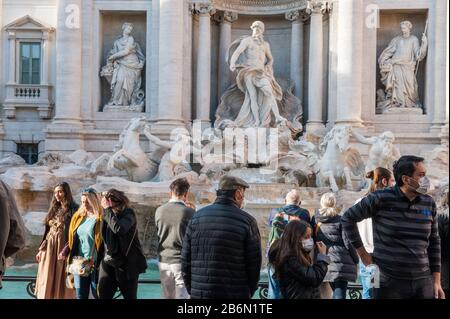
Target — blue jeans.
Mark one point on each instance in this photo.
(339, 289)
(83, 284)
(365, 275)
(274, 286)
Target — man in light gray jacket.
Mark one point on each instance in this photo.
(12, 230)
(171, 220)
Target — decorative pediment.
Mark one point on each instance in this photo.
(259, 7)
(27, 23)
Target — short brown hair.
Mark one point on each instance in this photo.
(180, 186)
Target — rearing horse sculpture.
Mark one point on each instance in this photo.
(129, 155)
(339, 160)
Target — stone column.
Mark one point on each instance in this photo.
(12, 57)
(297, 18)
(349, 62)
(445, 127)
(68, 63)
(440, 85)
(170, 69)
(45, 54)
(203, 84)
(226, 18)
(315, 71)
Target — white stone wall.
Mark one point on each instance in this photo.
(27, 126)
(99, 131)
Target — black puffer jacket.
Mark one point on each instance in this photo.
(298, 281)
(221, 254)
(118, 230)
(343, 256)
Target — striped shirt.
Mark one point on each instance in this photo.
(406, 238)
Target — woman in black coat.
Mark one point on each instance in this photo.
(298, 276)
(123, 259)
(343, 256)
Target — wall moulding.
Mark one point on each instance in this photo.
(259, 7)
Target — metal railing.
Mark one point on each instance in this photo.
(353, 290)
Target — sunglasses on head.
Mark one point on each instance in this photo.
(89, 190)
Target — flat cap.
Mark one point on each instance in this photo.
(229, 183)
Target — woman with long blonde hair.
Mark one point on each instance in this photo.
(85, 242)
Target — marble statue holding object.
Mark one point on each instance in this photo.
(398, 67)
(257, 99)
(123, 71)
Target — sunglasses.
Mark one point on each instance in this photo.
(89, 190)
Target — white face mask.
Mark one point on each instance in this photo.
(308, 244)
(424, 185)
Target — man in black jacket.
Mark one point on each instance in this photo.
(221, 254)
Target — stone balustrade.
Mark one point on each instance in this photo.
(28, 96)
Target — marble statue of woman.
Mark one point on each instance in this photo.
(123, 70)
(398, 70)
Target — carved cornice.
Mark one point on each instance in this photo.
(259, 7)
(317, 7)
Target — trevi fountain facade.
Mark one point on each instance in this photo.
(284, 93)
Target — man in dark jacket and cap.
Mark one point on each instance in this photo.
(221, 254)
(12, 230)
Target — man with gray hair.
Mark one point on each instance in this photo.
(278, 220)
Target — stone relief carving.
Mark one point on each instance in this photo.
(259, 7)
(398, 66)
(123, 71)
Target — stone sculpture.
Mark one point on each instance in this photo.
(257, 99)
(129, 155)
(338, 160)
(174, 160)
(123, 72)
(398, 67)
(382, 152)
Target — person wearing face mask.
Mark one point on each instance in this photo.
(343, 257)
(278, 220)
(298, 276)
(221, 254)
(381, 178)
(405, 234)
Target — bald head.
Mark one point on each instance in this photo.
(293, 197)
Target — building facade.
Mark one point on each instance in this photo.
(53, 96)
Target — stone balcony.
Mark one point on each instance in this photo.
(34, 96)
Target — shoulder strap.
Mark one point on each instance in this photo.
(131, 242)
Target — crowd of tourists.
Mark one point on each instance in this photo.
(392, 240)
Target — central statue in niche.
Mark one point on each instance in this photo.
(123, 71)
(253, 62)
